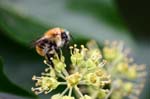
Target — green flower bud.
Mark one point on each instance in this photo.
(59, 65)
(128, 87)
(73, 79)
(90, 64)
(122, 67)
(132, 73)
(102, 94)
(110, 54)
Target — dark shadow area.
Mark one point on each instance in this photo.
(137, 17)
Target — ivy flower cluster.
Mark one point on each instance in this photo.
(93, 74)
(128, 78)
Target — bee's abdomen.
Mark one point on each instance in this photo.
(40, 50)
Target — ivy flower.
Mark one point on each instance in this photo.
(94, 73)
(127, 77)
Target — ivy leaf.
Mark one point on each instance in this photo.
(19, 28)
(7, 86)
(26, 20)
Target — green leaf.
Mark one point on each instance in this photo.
(105, 10)
(33, 17)
(7, 86)
(19, 28)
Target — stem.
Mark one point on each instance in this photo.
(65, 72)
(45, 62)
(62, 76)
(76, 94)
(76, 68)
(63, 83)
(78, 91)
(64, 92)
(94, 95)
(82, 83)
(70, 91)
(110, 92)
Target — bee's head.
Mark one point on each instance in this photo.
(65, 37)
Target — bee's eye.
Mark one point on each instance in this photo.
(64, 35)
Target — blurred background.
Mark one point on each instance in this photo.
(23, 21)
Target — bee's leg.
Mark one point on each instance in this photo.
(66, 46)
(58, 52)
(48, 57)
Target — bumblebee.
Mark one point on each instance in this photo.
(51, 42)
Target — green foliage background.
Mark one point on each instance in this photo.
(23, 21)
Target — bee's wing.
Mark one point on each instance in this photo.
(35, 41)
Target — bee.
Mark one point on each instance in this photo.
(51, 42)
